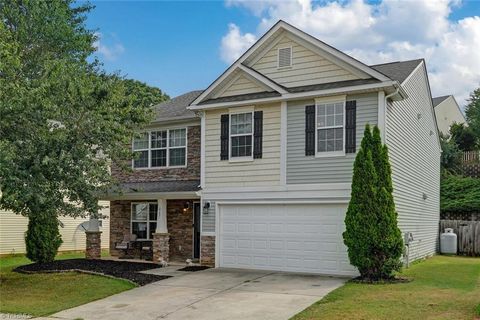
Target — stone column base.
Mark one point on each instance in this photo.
(207, 251)
(161, 247)
(93, 249)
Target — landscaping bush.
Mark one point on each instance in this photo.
(372, 236)
(42, 238)
(459, 194)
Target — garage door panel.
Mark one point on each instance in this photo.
(303, 238)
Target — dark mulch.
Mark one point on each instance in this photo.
(118, 269)
(194, 268)
(381, 281)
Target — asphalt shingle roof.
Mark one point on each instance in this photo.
(437, 100)
(398, 70)
(176, 108)
(158, 186)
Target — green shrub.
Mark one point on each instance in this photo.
(42, 238)
(372, 236)
(459, 194)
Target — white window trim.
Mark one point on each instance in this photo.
(239, 159)
(149, 149)
(144, 221)
(330, 154)
(291, 58)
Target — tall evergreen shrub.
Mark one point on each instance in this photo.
(372, 236)
(42, 238)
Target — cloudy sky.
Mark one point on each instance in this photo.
(182, 46)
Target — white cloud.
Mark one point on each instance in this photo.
(374, 33)
(109, 47)
(234, 43)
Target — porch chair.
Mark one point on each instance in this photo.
(126, 244)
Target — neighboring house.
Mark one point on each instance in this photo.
(14, 226)
(278, 131)
(160, 194)
(447, 112)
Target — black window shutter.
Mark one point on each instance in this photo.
(224, 136)
(310, 130)
(257, 134)
(350, 126)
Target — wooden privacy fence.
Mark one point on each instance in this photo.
(471, 156)
(468, 235)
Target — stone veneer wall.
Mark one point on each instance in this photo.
(207, 250)
(180, 229)
(119, 223)
(191, 172)
(93, 248)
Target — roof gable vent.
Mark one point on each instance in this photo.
(285, 57)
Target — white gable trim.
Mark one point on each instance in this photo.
(301, 95)
(263, 79)
(285, 26)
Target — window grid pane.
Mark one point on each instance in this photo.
(159, 158)
(330, 140)
(177, 157)
(158, 139)
(330, 115)
(177, 138)
(142, 160)
(242, 146)
(141, 142)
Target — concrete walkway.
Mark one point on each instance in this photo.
(211, 294)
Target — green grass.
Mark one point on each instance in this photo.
(442, 288)
(44, 294)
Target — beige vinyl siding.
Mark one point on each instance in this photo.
(13, 227)
(415, 159)
(242, 85)
(303, 169)
(447, 113)
(307, 67)
(208, 219)
(259, 172)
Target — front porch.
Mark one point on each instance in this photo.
(157, 229)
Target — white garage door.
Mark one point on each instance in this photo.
(287, 237)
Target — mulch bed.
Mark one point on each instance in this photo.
(381, 281)
(194, 268)
(117, 269)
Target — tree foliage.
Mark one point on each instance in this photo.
(59, 111)
(464, 136)
(459, 194)
(472, 112)
(372, 236)
(451, 155)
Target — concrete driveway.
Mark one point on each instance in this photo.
(212, 294)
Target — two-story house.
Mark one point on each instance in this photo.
(270, 159)
(280, 129)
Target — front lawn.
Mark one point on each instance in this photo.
(44, 294)
(443, 288)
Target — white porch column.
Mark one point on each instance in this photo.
(162, 216)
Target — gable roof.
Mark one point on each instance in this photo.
(176, 108)
(398, 70)
(438, 100)
(278, 28)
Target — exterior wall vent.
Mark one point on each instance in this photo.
(285, 57)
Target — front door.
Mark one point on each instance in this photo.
(196, 230)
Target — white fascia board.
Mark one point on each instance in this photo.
(300, 95)
(263, 79)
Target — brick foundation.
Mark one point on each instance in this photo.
(161, 247)
(207, 250)
(94, 245)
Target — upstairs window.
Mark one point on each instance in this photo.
(330, 128)
(284, 57)
(241, 135)
(161, 149)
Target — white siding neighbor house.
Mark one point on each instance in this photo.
(14, 226)
(447, 113)
(279, 132)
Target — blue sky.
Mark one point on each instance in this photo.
(177, 46)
